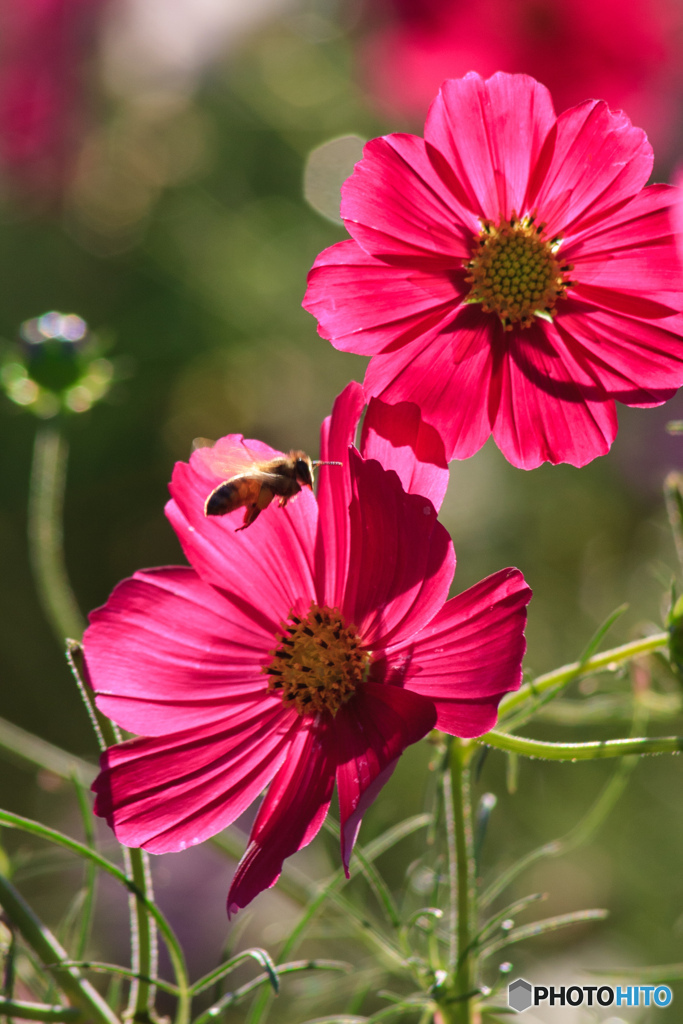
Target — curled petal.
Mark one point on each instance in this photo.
(369, 735)
(402, 559)
(290, 816)
(469, 655)
(399, 439)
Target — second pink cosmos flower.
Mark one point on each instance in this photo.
(509, 273)
(314, 646)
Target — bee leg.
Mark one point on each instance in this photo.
(251, 513)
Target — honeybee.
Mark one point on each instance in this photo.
(254, 483)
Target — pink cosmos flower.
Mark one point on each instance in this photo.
(627, 53)
(509, 273)
(41, 89)
(314, 646)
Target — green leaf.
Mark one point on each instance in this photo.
(261, 957)
(39, 1011)
(230, 998)
(550, 924)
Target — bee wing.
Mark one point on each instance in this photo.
(202, 442)
(229, 457)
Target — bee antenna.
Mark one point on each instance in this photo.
(319, 463)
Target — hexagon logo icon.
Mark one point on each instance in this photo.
(519, 995)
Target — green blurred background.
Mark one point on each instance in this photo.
(182, 235)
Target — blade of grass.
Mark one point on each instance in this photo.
(10, 820)
(53, 956)
(38, 1011)
(230, 998)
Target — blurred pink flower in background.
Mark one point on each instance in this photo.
(509, 273)
(628, 54)
(46, 47)
(314, 646)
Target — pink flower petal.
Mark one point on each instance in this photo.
(167, 652)
(450, 376)
(551, 408)
(383, 302)
(402, 559)
(394, 204)
(370, 732)
(289, 817)
(338, 432)
(172, 792)
(632, 359)
(489, 135)
(398, 438)
(594, 160)
(469, 655)
(267, 568)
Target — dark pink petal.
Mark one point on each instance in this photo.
(450, 376)
(368, 735)
(469, 655)
(289, 817)
(398, 438)
(363, 304)
(401, 558)
(334, 495)
(552, 408)
(395, 204)
(594, 161)
(636, 362)
(267, 568)
(490, 134)
(168, 652)
(174, 791)
(646, 219)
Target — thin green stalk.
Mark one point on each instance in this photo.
(32, 750)
(45, 533)
(90, 881)
(143, 934)
(38, 1011)
(457, 1005)
(144, 952)
(452, 870)
(53, 955)
(582, 751)
(10, 820)
(578, 669)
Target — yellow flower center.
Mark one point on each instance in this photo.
(317, 663)
(515, 273)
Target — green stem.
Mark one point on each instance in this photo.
(32, 750)
(144, 938)
(578, 669)
(457, 1005)
(52, 955)
(10, 820)
(582, 751)
(38, 1011)
(45, 534)
(143, 932)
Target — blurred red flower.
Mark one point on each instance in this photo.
(625, 53)
(509, 273)
(45, 46)
(316, 645)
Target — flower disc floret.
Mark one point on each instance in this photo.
(318, 662)
(514, 272)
